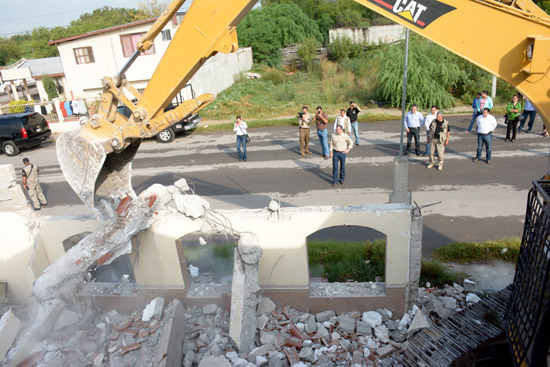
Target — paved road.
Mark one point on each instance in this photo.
(478, 201)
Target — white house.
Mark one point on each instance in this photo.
(89, 57)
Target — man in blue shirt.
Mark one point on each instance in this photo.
(413, 121)
(528, 111)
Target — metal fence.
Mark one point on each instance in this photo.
(527, 318)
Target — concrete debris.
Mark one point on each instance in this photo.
(9, 327)
(219, 361)
(202, 241)
(153, 310)
(182, 185)
(191, 205)
(372, 318)
(66, 318)
(420, 321)
(266, 306)
(325, 316)
(193, 271)
(382, 333)
(472, 298)
(210, 309)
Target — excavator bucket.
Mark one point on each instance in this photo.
(100, 178)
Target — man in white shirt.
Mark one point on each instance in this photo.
(343, 121)
(427, 121)
(413, 121)
(486, 124)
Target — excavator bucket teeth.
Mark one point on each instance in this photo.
(99, 178)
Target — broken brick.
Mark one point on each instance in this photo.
(295, 331)
(129, 348)
(152, 200)
(79, 261)
(155, 328)
(124, 207)
(104, 258)
(294, 342)
(124, 324)
(143, 333)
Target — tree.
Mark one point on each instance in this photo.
(308, 52)
(433, 74)
(152, 8)
(9, 52)
(103, 18)
(544, 5)
(273, 26)
(50, 87)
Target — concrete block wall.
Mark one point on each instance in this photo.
(369, 35)
(282, 266)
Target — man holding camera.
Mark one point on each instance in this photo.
(321, 120)
(304, 119)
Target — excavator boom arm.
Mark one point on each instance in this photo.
(495, 36)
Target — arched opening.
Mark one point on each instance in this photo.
(208, 259)
(347, 261)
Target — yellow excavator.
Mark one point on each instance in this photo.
(508, 38)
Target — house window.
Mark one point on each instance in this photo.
(166, 35)
(129, 42)
(84, 55)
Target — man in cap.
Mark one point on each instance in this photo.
(31, 184)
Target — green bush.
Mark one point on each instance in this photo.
(433, 74)
(307, 51)
(18, 106)
(271, 27)
(343, 48)
(274, 75)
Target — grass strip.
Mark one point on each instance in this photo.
(462, 252)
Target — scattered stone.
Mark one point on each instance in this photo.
(260, 361)
(347, 325)
(212, 361)
(124, 324)
(469, 285)
(357, 358)
(153, 310)
(9, 327)
(448, 302)
(398, 336)
(419, 322)
(261, 322)
(386, 314)
(382, 333)
(390, 325)
(385, 351)
(334, 336)
(363, 328)
(311, 325)
(189, 358)
(266, 306)
(210, 309)
(472, 298)
(307, 354)
(324, 316)
(372, 318)
(458, 287)
(181, 184)
(98, 360)
(405, 320)
(66, 318)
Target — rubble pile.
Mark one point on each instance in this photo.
(287, 337)
(83, 336)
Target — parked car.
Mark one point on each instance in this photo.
(22, 130)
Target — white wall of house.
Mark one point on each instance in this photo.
(84, 80)
(369, 35)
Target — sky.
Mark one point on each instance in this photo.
(20, 16)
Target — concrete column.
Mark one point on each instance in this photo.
(415, 255)
(494, 87)
(29, 98)
(242, 324)
(400, 192)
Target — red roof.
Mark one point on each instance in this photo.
(100, 31)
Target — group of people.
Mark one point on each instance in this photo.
(437, 128)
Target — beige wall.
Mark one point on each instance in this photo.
(284, 263)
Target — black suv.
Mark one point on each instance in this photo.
(22, 130)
